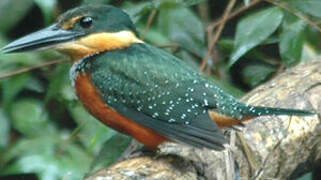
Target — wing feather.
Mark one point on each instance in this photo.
(157, 90)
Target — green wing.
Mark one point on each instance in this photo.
(159, 91)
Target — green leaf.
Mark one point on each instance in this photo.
(254, 74)
(4, 129)
(30, 117)
(226, 45)
(138, 10)
(21, 59)
(58, 82)
(192, 2)
(187, 32)
(50, 157)
(92, 133)
(35, 85)
(311, 7)
(75, 162)
(11, 87)
(154, 36)
(11, 12)
(112, 150)
(254, 29)
(307, 176)
(96, 1)
(184, 2)
(291, 39)
(60, 85)
(24, 146)
(309, 52)
(47, 7)
(189, 59)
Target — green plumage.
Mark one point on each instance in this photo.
(160, 91)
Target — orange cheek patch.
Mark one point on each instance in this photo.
(98, 42)
(75, 51)
(109, 41)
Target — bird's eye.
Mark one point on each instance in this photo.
(86, 22)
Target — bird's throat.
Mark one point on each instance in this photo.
(96, 43)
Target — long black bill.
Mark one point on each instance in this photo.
(47, 37)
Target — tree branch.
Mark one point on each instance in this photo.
(214, 39)
(30, 68)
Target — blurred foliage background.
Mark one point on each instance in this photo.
(44, 131)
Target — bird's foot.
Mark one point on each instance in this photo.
(136, 149)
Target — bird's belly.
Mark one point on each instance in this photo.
(89, 96)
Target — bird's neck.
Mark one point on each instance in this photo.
(97, 43)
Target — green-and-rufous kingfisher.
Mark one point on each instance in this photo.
(137, 88)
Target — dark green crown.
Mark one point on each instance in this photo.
(105, 18)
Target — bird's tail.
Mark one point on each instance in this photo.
(261, 111)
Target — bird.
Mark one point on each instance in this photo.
(136, 88)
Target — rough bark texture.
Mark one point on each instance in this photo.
(267, 147)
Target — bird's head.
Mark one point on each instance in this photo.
(81, 32)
